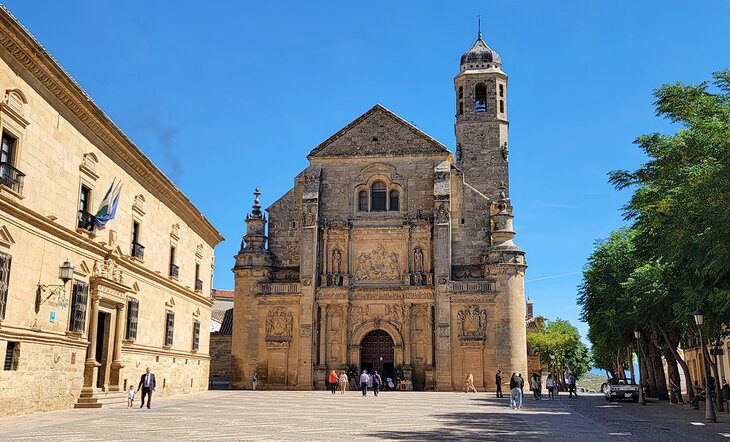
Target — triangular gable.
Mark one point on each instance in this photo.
(6, 239)
(379, 132)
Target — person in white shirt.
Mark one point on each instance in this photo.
(130, 396)
(343, 382)
(364, 380)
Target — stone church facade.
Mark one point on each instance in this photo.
(389, 254)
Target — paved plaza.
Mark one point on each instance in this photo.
(281, 415)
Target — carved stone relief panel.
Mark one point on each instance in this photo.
(279, 324)
(472, 321)
(378, 265)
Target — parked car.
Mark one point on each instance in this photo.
(617, 389)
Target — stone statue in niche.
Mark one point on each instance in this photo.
(418, 260)
(472, 321)
(112, 238)
(336, 261)
(279, 323)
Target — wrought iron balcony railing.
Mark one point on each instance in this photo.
(174, 271)
(138, 251)
(198, 285)
(86, 221)
(11, 178)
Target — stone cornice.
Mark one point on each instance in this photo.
(29, 53)
(70, 237)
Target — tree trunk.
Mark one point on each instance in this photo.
(644, 376)
(687, 376)
(630, 355)
(659, 379)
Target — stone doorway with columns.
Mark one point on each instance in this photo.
(106, 331)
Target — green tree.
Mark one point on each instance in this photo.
(680, 206)
(560, 347)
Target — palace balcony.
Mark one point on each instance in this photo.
(138, 251)
(11, 178)
(86, 221)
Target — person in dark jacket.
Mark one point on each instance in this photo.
(147, 383)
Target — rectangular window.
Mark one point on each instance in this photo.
(196, 335)
(132, 315)
(5, 261)
(137, 248)
(11, 356)
(10, 177)
(174, 270)
(79, 299)
(86, 219)
(198, 281)
(169, 327)
(7, 152)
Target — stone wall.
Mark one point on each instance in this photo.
(220, 355)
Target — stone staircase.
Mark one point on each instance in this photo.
(98, 399)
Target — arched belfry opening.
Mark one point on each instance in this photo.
(377, 353)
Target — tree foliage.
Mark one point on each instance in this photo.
(560, 347)
(675, 255)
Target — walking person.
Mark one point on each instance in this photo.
(571, 386)
(130, 396)
(377, 381)
(535, 387)
(333, 379)
(343, 382)
(470, 382)
(147, 384)
(550, 383)
(364, 379)
(498, 380)
(254, 379)
(516, 383)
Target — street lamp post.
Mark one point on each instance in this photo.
(709, 406)
(637, 335)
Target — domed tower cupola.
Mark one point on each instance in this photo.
(480, 56)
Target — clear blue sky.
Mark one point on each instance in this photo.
(227, 96)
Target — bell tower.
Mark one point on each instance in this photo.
(481, 121)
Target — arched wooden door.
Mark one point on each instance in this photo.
(377, 353)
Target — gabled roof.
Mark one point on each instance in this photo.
(379, 132)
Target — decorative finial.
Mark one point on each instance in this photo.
(256, 212)
(479, 26)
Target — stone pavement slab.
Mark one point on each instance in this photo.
(296, 415)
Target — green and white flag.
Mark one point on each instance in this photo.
(108, 206)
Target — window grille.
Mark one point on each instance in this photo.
(170, 325)
(5, 261)
(132, 315)
(196, 335)
(78, 307)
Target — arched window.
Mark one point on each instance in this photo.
(480, 98)
(461, 108)
(501, 90)
(461, 92)
(501, 106)
(362, 200)
(394, 200)
(378, 196)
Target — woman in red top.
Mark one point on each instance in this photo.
(333, 381)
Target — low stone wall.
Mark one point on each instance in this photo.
(174, 374)
(48, 377)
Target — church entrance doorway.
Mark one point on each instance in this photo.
(377, 354)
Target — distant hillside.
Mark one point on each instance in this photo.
(591, 381)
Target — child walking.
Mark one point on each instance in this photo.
(130, 396)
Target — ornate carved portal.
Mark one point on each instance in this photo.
(377, 353)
